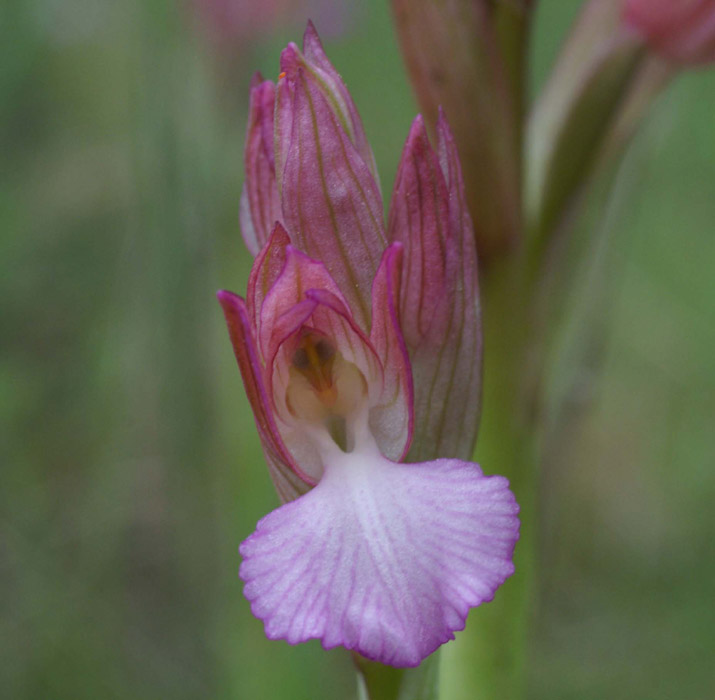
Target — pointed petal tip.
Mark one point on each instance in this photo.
(445, 136)
(310, 35)
(257, 91)
(290, 61)
(443, 127)
(418, 131)
(313, 46)
(228, 300)
(279, 234)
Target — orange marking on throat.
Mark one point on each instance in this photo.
(314, 359)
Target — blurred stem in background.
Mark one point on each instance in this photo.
(487, 661)
(602, 83)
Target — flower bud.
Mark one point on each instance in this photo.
(326, 174)
(440, 300)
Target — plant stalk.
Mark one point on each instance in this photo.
(379, 682)
(488, 659)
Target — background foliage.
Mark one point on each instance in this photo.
(130, 466)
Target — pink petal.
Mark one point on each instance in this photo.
(260, 202)
(299, 274)
(392, 421)
(385, 559)
(332, 84)
(439, 304)
(332, 317)
(419, 218)
(265, 271)
(289, 479)
(331, 203)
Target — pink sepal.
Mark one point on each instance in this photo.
(265, 271)
(439, 303)
(260, 202)
(331, 202)
(288, 477)
(318, 63)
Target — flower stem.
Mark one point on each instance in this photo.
(487, 661)
(379, 682)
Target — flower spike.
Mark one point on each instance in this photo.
(357, 355)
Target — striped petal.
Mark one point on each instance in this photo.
(382, 558)
(260, 203)
(419, 218)
(331, 202)
(290, 480)
(299, 274)
(439, 303)
(323, 71)
(266, 269)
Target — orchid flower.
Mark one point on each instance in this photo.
(682, 31)
(347, 347)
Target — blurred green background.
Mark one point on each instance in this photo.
(130, 466)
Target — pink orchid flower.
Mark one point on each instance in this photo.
(355, 353)
(682, 31)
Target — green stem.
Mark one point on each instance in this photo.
(378, 682)
(487, 661)
(512, 22)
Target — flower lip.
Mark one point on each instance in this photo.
(382, 558)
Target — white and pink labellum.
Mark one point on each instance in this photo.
(382, 558)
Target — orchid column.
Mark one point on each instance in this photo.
(360, 350)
